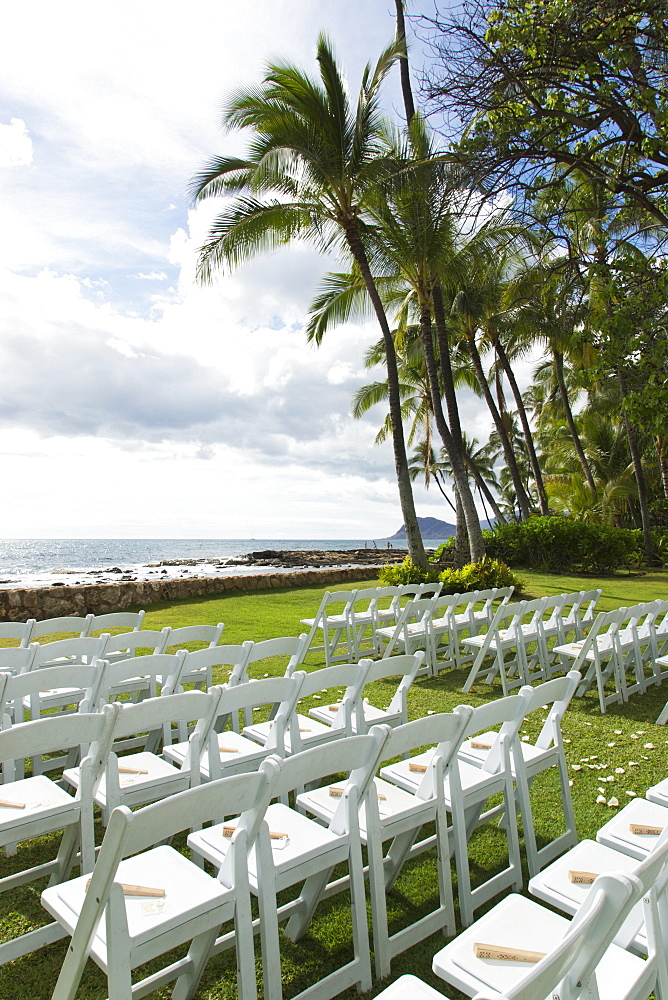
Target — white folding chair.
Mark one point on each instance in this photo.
(386, 614)
(598, 657)
(443, 633)
(483, 616)
(142, 777)
(231, 752)
(171, 901)
(509, 632)
(36, 806)
(292, 849)
(568, 881)
(395, 815)
(467, 790)
(332, 619)
(17, 659)
(366, 715)
(411, 632)
(409, 986)
(531, 759)
(304, 731)
(19, 689)
(180, 637)
(47, 695)
(520, 950)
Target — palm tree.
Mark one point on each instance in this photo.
(313, 163)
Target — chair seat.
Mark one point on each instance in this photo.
(532, 755)
(521, 923)
(553, 885)
(189, 892)
(160, 773)
(409, 987)
(309, 730)
(43, 799)
(616, 833)
(394, 806)
(56, 698)
(233, 748)
(573, 649)
(306, 841)
(473, 779)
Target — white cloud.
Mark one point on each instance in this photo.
(15, 144)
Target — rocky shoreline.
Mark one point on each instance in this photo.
(318, 558)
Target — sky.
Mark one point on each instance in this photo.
(134, 402)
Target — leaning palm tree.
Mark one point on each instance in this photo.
(313, 162)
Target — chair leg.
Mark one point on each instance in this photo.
(198, 954)
(305, 906)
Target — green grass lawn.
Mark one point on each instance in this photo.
(625, 738)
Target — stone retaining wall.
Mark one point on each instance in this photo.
(52, 602)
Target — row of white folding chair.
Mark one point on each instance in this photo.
(619, 641)
(344, 623)
(424, 623)
(266, 848)
(29, 631)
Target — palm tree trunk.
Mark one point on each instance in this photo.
(406, 89)
(461, 536)
(639, 473)
(508, 454)
(524, 420)
(558, 362)
(484, 491)
(406, 499)
(661, 445)
(476, 543)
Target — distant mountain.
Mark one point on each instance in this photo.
(430, 528)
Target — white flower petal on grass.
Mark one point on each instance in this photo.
(619, 770)
(612, 744)
(618, 732)
(633, 736)
(430, 711)
(632, 794)
(317, 697)
(576, 767)
(634, 763)
(600, 801)
(613, 803)
(568, 741)
(589, 723)
(601, 790)
(649, 746)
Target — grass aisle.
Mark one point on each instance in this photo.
(617, 755)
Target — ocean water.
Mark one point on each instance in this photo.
(38, 562)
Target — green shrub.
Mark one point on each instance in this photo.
(474, 576)
(562, 543)
(407, 572)
(480, 576)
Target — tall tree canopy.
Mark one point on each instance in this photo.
(572, 84)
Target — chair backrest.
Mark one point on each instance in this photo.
(17, 659)
(66, 623)
(17, 630)
(277, 694)
(430, 589)
(88, 677)
(58, 732)
(555, 695)
(210, 634)
(447, 730)
(294, 647)
(164, 669)
(600, 636)
(405, 667)
(508, 713)
(357, 756)
(153, 639)
(129, 621)
(233, 656)
(82, 650)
